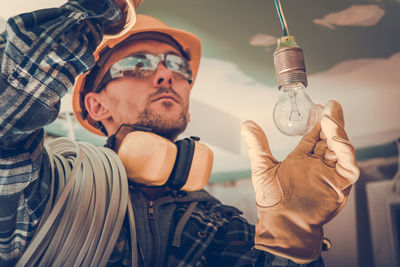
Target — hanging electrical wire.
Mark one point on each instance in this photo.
(282, 18)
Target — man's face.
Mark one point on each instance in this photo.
(159, 101)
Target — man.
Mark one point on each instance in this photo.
(143, 79)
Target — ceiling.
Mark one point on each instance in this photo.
(352, 54)
(329, 32)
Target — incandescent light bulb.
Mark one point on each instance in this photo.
(294, 113)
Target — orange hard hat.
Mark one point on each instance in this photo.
(189, 43)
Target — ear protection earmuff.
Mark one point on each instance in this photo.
(152, 160)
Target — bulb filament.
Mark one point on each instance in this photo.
(294, 113)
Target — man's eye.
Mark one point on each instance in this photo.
(137, 73)
(139, 65)
(144, 73)
(179, 76)
(129, 73)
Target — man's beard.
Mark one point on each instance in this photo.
(168, 128)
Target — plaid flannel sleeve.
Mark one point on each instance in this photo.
(41, 53)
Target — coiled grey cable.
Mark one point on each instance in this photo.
(89, 207)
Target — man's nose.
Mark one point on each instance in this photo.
(163, 76)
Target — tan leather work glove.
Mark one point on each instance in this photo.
(297, 196)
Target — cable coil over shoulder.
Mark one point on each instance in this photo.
(81, 226)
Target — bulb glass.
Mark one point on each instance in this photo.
(294, 113)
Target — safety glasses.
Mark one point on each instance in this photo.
(145, 64)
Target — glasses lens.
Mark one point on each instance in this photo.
(137, 66)
(144, 65)
(179, 66)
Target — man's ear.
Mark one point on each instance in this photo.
(96, 107)
(188, 117)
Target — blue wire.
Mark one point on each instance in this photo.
(280, 18)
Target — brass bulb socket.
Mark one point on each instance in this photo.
(289, 62)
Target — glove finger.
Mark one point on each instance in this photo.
(330, 156)
(258, 146)
(308, 142)
(320, 148)
(266, 186)
(332, 124)
(322, 151)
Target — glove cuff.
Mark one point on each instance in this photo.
(287, 235)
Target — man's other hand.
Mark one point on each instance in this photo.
(297, 196)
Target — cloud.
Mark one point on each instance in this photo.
(264, 40)
(366, 88)
(357, 15)
(224, 86)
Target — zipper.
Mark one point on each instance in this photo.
(151, 217)
(151, 210)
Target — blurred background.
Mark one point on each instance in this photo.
(352, 55)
